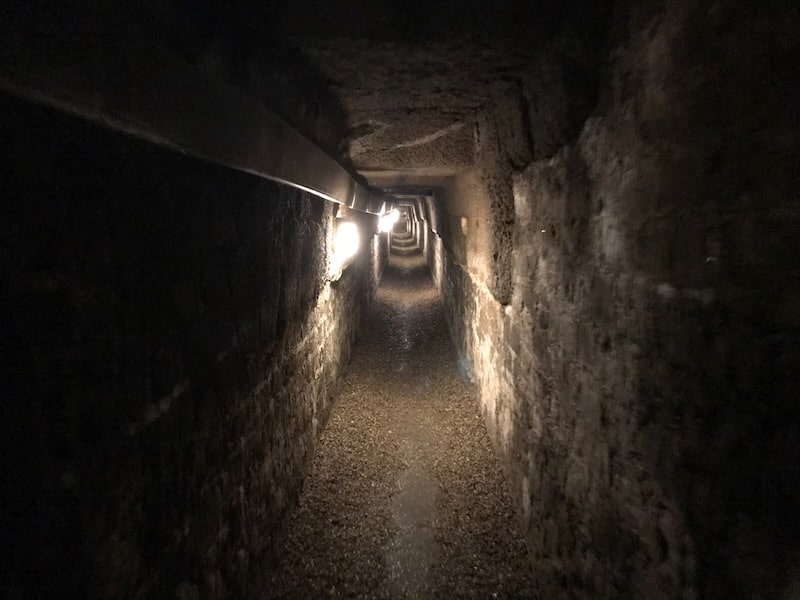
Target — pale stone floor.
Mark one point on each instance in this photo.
(405, 498)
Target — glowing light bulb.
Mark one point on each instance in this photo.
(346, 242)
(387, 220)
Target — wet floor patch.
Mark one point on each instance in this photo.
(405, 498)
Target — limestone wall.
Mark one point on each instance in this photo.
(638, 370)
(171, 347)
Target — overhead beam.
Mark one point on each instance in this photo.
(135, 87)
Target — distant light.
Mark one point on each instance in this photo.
(387, 220)
(346, 242)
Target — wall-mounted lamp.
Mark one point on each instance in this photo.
(346, 241)
(387, 220)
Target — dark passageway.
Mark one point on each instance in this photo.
(405, 498)
(576, 376)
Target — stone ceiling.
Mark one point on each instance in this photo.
(411, 75)
(411, 105)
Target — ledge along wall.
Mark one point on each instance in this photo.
(170, 351)
(633, 327)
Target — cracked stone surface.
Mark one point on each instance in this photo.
(412, 105)
(405, 498)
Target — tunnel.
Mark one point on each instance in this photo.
(349, 299)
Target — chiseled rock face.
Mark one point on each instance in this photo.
(172, 350)
(640, 382)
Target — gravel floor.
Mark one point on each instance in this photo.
(406, 498)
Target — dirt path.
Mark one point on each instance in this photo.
(406, 498)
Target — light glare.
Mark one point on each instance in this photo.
(346, 242)
(387, 220)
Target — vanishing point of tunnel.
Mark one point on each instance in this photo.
(400, 300)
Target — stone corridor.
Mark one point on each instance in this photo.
(216, 385)
(405, 498)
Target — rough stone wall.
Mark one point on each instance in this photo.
(641, 384)
(503, 144)
(169, 352)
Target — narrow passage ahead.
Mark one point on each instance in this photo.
(405, 498)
